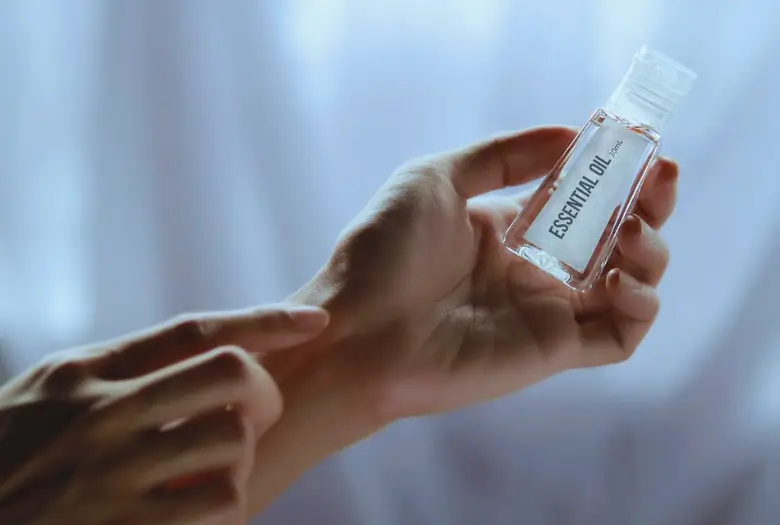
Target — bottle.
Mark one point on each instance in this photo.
(571, 223)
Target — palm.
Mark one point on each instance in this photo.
(448, 315)
(450, 302)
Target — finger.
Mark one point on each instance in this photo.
(28, 429)
(241, 469)
(509, 160)
(659, 193)
(614, 338)
(261, 329)
(31, 445)
(214, 442)
(222, 377)
(25, 506)
(633, 299)
(645, 250)
(218, 501)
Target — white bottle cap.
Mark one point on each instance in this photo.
(652, 89)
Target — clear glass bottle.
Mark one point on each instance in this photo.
(571, 223)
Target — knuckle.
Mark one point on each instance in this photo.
(232, 426)
(192, 330)
(624, 355)
(421, 164)
(663, 247)
(270, 407)
(231, 363)
(62, 375)
(425, 169)
(278, 320)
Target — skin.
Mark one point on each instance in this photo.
(429, 313)
(158, 428)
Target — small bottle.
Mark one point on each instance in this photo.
(571, 223)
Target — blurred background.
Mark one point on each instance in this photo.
(158, 157)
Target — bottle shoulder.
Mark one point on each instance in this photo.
(603, 116)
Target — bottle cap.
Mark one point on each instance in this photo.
(651, 89)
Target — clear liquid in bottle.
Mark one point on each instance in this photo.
(570, 226)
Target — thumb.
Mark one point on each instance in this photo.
(508, 160)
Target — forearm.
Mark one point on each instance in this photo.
(320, 418)
(330, 400)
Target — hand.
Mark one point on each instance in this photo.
(430, 312)
(159, 428)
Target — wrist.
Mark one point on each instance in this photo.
(323, 414)
(328, 404)
(368, 345)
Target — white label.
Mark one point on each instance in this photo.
(593, 185)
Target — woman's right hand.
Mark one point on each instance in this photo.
(163, 426)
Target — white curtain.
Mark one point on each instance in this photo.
(166, 156)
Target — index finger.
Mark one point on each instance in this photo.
(257, 330)
(509, 160)
(222, 377)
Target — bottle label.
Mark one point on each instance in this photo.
(592, 186)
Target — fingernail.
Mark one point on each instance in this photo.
(632, 225)
(308, 318)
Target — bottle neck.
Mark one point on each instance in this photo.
(636, 103)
